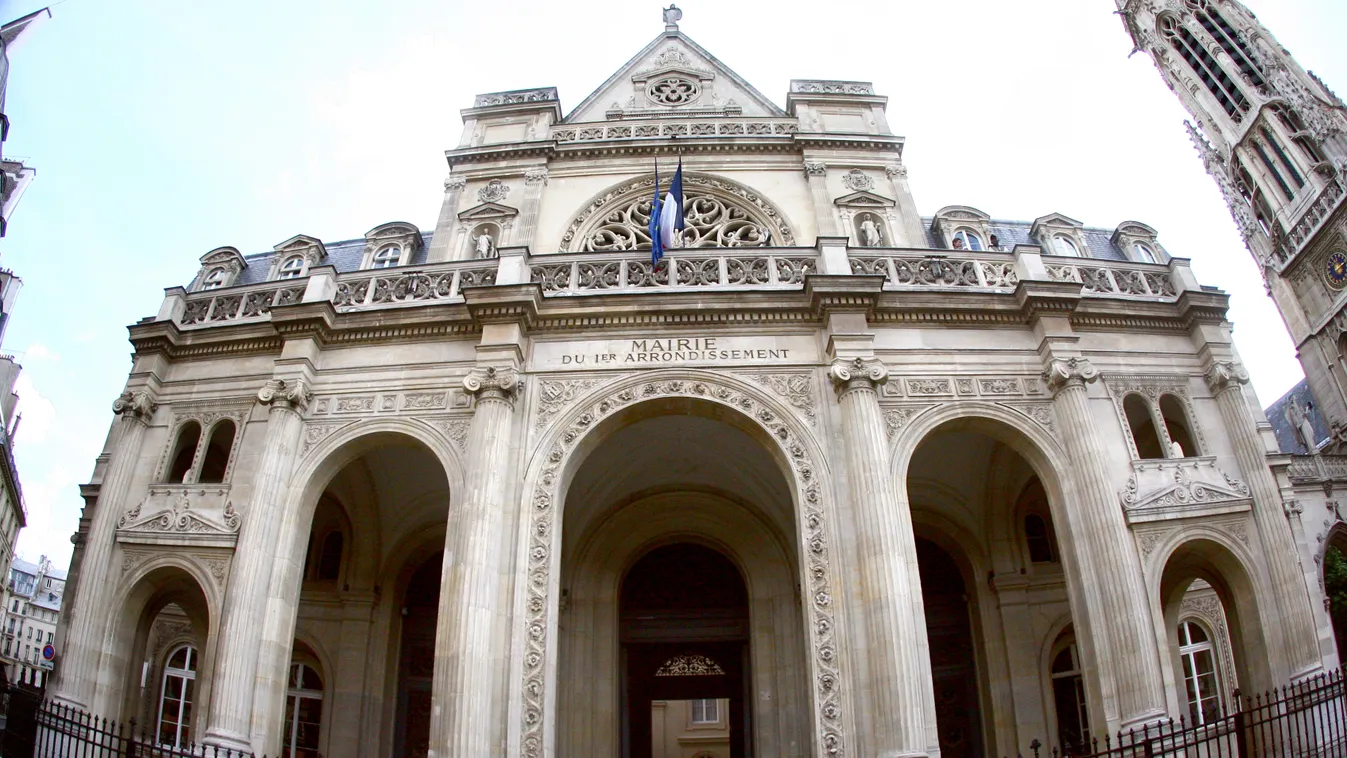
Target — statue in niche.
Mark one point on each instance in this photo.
(870, 234)
(1299, 417)
(484, 246)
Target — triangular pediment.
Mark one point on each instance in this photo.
(673, 75)
(487, 210)
(864, 199)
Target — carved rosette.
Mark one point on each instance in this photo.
(857, 374)
(493, 383)
(1225, 375)
(1063, 373)
(278, 393)
(138, 405)
(815, 538)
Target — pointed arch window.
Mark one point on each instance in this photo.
(1234, 45)
(303, 712)
(176, 698)
(184, 452)
(1213, 77)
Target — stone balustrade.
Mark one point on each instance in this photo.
(235, 304)
(606, 272)
(380, 288)
(994, 271)
(1113, 278)
(701, 127)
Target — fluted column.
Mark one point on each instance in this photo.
(887, 557)
(1298, 634)
(77, 675)
(823, 204)
(1110, 570)
(231, 703)
(462, 692)
(534, 181)
(440, 242)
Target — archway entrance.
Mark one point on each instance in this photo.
(949, 631)
(416, 661)
(684, 636)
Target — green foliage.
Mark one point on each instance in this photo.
(1335, 580)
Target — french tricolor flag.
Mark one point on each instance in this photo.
(666, 216)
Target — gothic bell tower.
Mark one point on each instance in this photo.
(1274, 138)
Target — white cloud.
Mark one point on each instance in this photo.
(38, 413)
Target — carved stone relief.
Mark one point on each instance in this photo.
(554, 395)
(457, 431)
(815, 537)
(795, 388)
(995, 387)
(411, 402)
(1180, 488)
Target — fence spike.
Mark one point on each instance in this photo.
(1034, 746)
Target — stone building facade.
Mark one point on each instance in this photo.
(32, 607)
(884, 484)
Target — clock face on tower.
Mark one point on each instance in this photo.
(1336, 270)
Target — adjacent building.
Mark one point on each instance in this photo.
(32, 607)
(850, 478)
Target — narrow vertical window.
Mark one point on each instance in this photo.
(1282, 157)
(1039, 538)
(1234, 45)
(303, 712)
(1199, 673)
(1176, 423)
(1144, 434)
(329, 557)
(175, 699)
(1226, 92)
(1068, 695)
(216, 460)
(1272, 169)
(184, 452)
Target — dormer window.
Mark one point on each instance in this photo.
(214, 280)
(1062, 245)
(1143, 253)
(388, 257)
(967, 240)
(292, 268)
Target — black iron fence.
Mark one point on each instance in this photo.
(1303, 720)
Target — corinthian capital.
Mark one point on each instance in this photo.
(137, 404)
(536, 176)
(293, 394)
(455, 182)
(1069, 372)
(497, 383)
(857, 373)
(1225, 375)
(815, 168)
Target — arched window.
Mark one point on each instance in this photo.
(184, 452)
(175, 699)
(214, 280)
(1221, 31)
(1200, 60)
(1176, 423)
(1068, 695)
(1253, 195)
(388, 257)
(1144, 253)
(216, 461)
(1144, 434)
(303, 712)
(1199, 673)
(1300, 135)
(1283, 160)
(967, 240)
(292, 268)
(329, 557)
(1062, 245)
(1039, 538)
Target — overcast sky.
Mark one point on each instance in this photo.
(161, 130)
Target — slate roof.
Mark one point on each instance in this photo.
(344, 255)
(1287, 439)
(1012, 233)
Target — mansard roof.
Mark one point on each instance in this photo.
(343, 256)
(1098, 241)
(672, 51)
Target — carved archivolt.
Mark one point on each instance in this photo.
(718, 212)
(814, 536)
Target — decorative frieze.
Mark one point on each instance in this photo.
(795, 388)
(396, 403)
(181, 514)
(970, 387)
(1181, 488)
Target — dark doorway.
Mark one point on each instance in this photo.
(953, 668)
(684, 636)
(416, 661)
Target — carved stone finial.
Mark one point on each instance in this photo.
(815, 168)
(293, 394)
(1225, 375)
(491, 382)
(1069, 372)
(672, 15)
(138, 404)
(455, 182)
(857, 374)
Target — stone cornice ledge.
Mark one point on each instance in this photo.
(505, 303)
(1038, 298)
(844, 293)
(1198, 307)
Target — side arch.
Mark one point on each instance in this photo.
(556, 458)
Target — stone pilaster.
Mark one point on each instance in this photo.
(236, 673)
(887, 557)
(1110, 570)
(912, 233)
(1299, 646)
(462, 720)
(77, 675)
(824, 215)
(441, 242)
(535, 179)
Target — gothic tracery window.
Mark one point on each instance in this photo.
(1201, 61)
(712, 221)
(673, 90)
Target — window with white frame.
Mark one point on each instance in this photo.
(292, 268)
(303, 712)
(214, 280)
(1068, 694)
(967, 240)
(1062, 245)
(705, 711)
(387, 257)
(1143, 253)
(176, 698)
(1199, 673)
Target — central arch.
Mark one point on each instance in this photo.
(576, 557)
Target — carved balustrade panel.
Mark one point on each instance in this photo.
(389, 287)
(236, 304)
(938, 271)
(1113, 279)
(584, 274)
